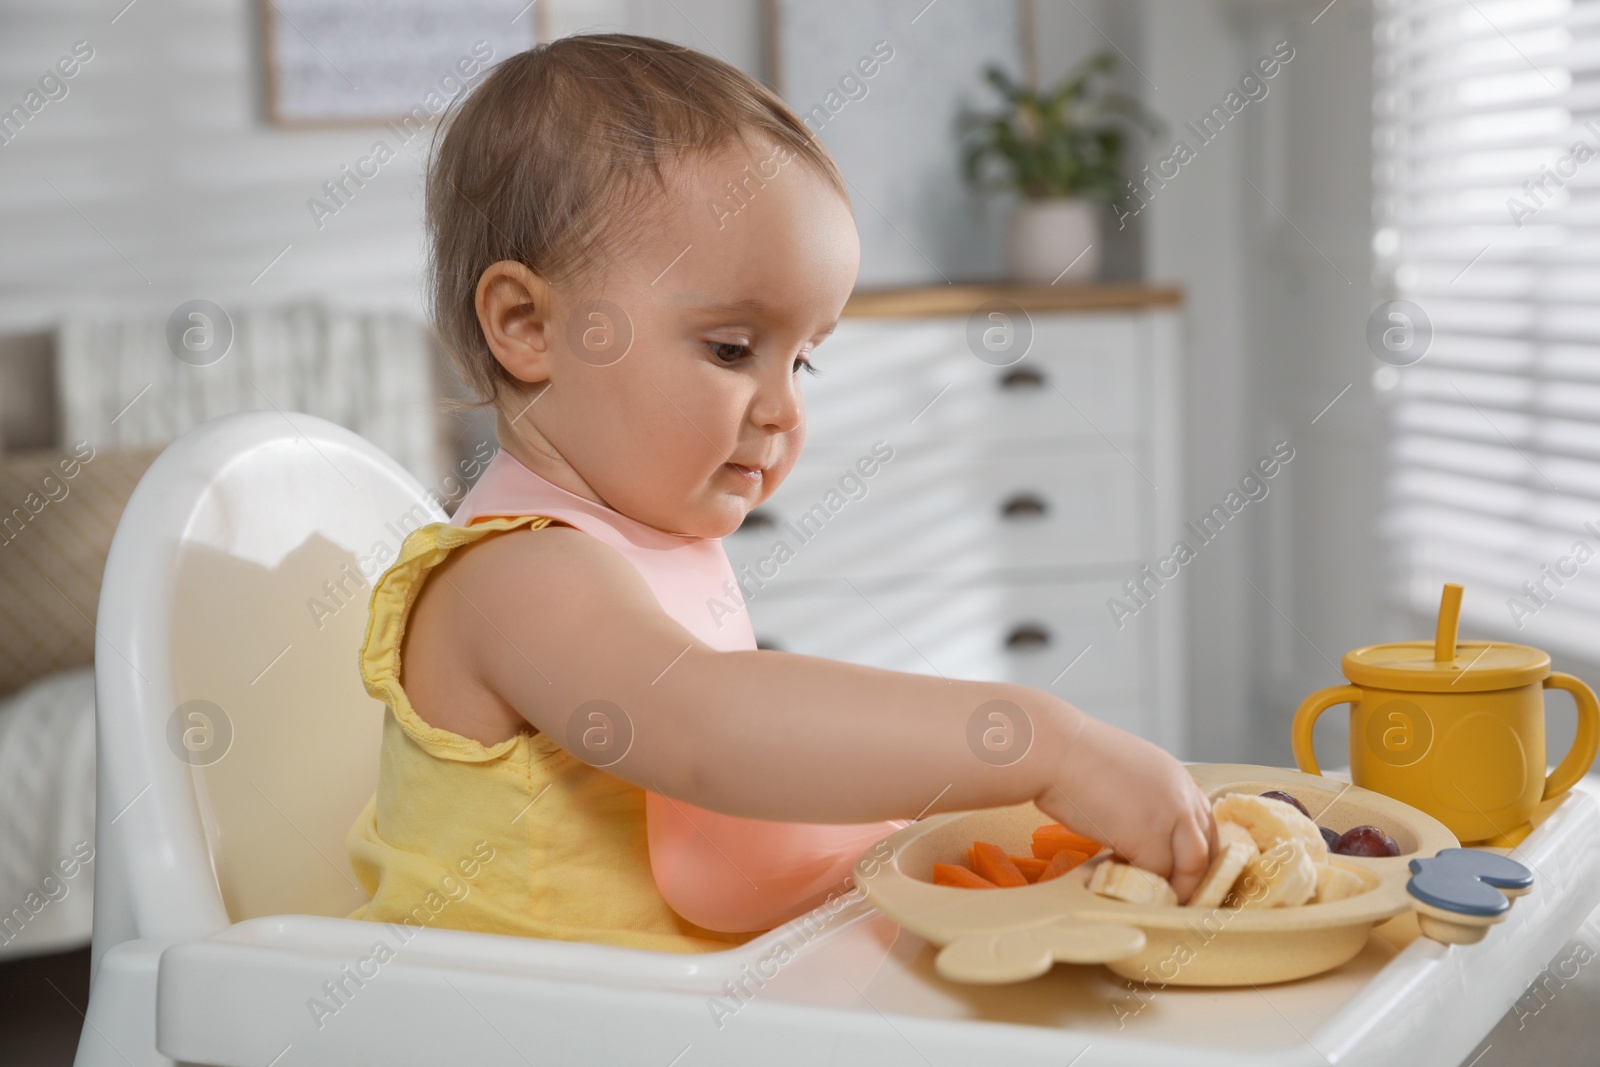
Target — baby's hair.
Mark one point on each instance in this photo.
(558, 145)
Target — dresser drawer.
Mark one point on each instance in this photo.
(944, 512)
(1057, 636)
(919, 381)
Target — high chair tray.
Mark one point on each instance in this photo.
(848, 988)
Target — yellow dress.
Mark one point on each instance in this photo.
(518, 837)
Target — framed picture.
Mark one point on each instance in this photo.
(368, 62)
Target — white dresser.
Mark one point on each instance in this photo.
(964, 512)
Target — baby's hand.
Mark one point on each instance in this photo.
(1121, 789)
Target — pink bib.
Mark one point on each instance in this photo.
(720, 871)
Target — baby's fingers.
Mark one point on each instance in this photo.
(1191, 857)
(1152, 854)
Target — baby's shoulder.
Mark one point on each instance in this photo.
(519, 610)
(500, 552)
(559, 560)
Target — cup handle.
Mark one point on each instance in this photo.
(1585, 743)
(1305, 721)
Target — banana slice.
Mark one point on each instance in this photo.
(1235, 849)
(1132, 884)
(1284, 876)
(1270, 820)
(1336, 883)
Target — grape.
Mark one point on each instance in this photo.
(1331, 837)
(1287, 798)
(1366, 841)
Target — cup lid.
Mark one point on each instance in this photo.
(1477, 666)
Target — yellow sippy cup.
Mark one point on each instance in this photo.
(1455, 730)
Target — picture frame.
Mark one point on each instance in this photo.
(358, 63)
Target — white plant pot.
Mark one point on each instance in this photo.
(1055, 241)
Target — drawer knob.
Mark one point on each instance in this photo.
(757, 519)
(1021, 379)
(1026, 637)
(1024, 506)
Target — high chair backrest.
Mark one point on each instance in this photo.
(236, 742)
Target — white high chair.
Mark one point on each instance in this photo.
(237, 745)
(221, 878)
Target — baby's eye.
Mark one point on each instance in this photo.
(807, 364)
(728, 352)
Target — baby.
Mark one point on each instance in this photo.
(637, 253)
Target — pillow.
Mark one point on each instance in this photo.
(58, 511)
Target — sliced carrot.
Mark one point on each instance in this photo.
(1030, 866)
(1053, 837)
(953, 874)
(1056, 850)
(991, 862)
(1063, 861)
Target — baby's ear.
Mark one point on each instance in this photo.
(514, 306)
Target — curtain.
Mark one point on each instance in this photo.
(1487, 155)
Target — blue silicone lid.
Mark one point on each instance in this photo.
(1467, 881)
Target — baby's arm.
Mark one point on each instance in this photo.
(786, 737)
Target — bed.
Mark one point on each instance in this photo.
(47, 815)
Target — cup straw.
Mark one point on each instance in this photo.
(1444, 639)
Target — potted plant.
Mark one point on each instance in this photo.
(1061, 149)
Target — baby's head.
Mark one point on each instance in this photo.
(635, 249)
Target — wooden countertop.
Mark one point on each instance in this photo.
(965, 298)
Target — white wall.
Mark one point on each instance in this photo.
(1268, 230)
(172, 186)
(1194, 236)
(1321, 558)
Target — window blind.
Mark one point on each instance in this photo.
(1487, 219)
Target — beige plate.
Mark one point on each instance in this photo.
(1007, 935)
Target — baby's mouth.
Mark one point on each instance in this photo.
(753, 475)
